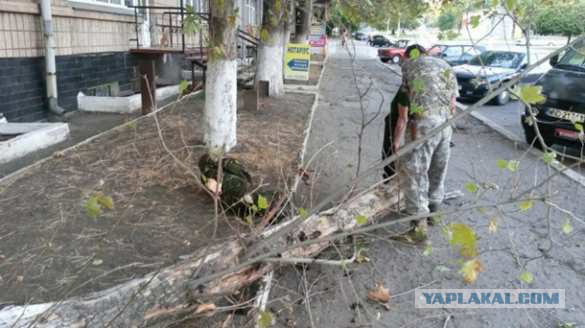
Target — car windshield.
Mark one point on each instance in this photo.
(575, 56)
(498, 59)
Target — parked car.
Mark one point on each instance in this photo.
(558, 118)
(379, 41)
(458, 54)
(360, 36)
(395, 52)
(488, 71)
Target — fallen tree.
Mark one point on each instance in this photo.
(158, 298)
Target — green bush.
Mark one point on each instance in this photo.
(561, 19)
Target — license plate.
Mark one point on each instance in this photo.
(566, 115)
(567, 134)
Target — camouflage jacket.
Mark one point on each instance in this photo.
(431, 83)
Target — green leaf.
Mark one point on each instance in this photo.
(92, 207)
(105, 201)
(474, 22)
(262, 202)
(502, 164)
(578, 127)
(525, 205)
(303, 213)
(183, 86)
(471, 187)
(567, 227)
(460, 234)
(416, 110)
(361, 219)
(265, 319)
(428, 250)
(510, 4)
(249, 220)
(531, 94)
(513, 166)
(549, 157)
(495, 3)
(418, 85)
(414, 54)
(526, 277)
(132, 125)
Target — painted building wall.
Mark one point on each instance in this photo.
(93, 43)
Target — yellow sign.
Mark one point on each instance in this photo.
(297, 61)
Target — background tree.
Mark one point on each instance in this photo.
(221, 81)
(567, 19)
(381, 14)
(274, 37)
(448, 19)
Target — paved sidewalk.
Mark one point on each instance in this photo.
(331, 297)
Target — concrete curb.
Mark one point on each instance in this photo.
(6, 180)
(31, 137)
(563, 169)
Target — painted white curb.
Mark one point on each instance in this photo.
(5, 180)
(121, 105)
(31, 137)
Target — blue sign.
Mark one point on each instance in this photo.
(298, 65)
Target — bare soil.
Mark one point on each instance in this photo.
(50, 248)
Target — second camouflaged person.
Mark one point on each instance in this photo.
(432, 88)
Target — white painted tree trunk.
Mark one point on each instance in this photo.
(220, 114)
(271, 63)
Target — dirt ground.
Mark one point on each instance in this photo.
(50, 248)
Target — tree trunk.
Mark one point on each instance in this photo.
(271, 50)
(221, 81)
(305, 12)
(161, 297)
(398, 27)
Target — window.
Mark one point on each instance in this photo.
(110, 3)
(453, 52)
(199, 6)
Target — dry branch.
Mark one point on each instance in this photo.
(160, 297)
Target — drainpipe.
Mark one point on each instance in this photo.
(50, 66)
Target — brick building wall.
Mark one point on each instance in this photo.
(92, 50)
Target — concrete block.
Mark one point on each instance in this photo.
(122, 105)
(30, 137)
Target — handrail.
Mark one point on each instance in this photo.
(180, 11)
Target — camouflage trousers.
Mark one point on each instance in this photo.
(423, 172)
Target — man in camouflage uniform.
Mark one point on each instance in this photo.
(432, 88)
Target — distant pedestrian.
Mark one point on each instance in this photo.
(343, 37)
(432, 89)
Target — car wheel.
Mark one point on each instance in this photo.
(384, 60)
(503, 98)
(396, 60)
